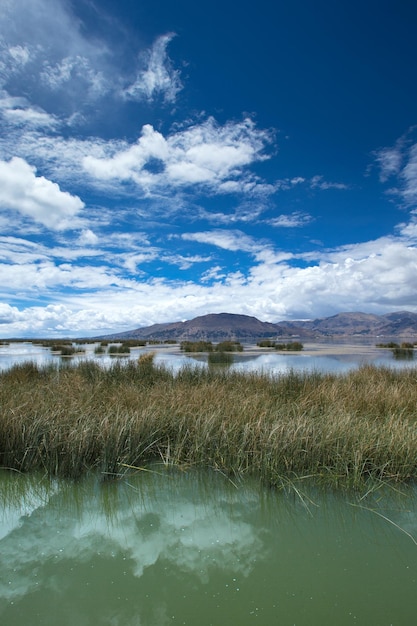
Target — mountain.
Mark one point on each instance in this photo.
(340, 324)
(213, 327)
(221, 326)
(399, 324)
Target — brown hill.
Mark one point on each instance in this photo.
(398, 324)
(213, 327)
(220, 326)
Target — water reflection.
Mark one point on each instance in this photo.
(271, 362)
(192, 548)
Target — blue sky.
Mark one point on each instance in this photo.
(161, 160)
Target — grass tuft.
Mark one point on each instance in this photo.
(341, 429)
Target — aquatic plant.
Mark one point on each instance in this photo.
(405, 350)
(196, 346)
(69, 419)
(119, 349)
(229, 346)
(292, 346)
(65, 349)
(220, 358)
(403, 353)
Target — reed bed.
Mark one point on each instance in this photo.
(342, 429)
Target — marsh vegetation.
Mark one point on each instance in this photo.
(208, 346)
(340, 428)
(290, 346)
(405, 350)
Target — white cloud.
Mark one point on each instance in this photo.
(409, 176)
(389, 161)
(46, 276)
(291, 220)
(76, 69)
(9, 314)
(158, 76)
(318, 182)
(36, 197)
(204, 154)
(21, 251)
(233, 240)
(43, 41)
(18, 112)
(376, 276)
(185, 262)
(45, 46)
(20, 54)
(398, 165)
(379, 280)
(87, 238)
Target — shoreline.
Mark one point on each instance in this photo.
(309, 349)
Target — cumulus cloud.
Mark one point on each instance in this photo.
(9, 314)
(36, 197)
(204, 154)
(88, 238)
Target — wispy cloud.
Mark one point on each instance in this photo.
(397, 166)
(315, 182)
(319, 182)
(44, 47)
(389, 161)
(290, 220)
(233, 240)
(158, 77)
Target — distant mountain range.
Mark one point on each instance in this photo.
(220, 326)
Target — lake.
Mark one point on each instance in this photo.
(324, 357)
(163, 546)
(152, 548)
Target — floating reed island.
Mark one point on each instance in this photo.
(341, 429)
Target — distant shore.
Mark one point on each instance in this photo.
(309, 348)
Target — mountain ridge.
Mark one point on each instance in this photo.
(220, 326)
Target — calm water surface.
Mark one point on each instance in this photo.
(153, 549)
(158, 548)
(272, 362)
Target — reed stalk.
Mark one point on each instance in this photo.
(341, 429)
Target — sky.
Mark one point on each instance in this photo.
(163, 160)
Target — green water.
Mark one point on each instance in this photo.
(193, 548)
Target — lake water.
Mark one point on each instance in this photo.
(272, 362)
(164, 547)
(161, 547)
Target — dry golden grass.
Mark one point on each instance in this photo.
(341, 428)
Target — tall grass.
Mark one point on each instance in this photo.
(340, 428)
